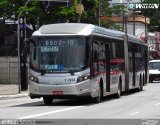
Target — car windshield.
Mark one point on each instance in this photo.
(154, 65)
(59, 54)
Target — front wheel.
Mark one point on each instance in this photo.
(99, 97)
(48, 100)
(150, 80)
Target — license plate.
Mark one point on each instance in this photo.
(57, 92)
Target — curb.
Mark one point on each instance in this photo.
(3, 97)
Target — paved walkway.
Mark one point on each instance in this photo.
(8, 91)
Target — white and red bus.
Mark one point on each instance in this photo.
(83, 60)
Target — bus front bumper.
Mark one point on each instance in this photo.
(60, 91)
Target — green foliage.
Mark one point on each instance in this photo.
(118, 10)
(111, 25)
(68, 13)
(107, 24)
(90, 9)
(153, 14)
(114, 10)
(105, 10)
(36, 12)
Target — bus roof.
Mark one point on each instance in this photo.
(75, 29)
(65, 29)
(81, 29)
(134, 39)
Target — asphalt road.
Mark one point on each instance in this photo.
(144, 105)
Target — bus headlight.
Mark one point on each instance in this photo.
(83, 78)
(33, 78)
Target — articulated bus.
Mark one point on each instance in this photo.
(70, 60)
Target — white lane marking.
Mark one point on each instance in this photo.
(48, 113)
(157, 104)
(134, 113)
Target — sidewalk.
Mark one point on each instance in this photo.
(10, 91)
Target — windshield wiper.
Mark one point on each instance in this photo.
(71, 72)
(42, 72)
(84, 67)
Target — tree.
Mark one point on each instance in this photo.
(44, 12)
(111, 10)
(39, 13)
(153, 14)
(89, 14)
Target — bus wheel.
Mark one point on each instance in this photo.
(140, 88)
(150, 80)
(48, 100)
(118, 94)
(141, 85)
(99, 97)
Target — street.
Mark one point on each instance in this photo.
(132, 105)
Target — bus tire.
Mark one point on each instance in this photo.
(119, 90)
(150, 80)
(140, 88)
(48, 100)
(99, 97)
(141, 85)
(144, 80)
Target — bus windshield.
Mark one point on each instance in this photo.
(58, 54)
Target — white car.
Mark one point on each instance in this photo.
(154, 70)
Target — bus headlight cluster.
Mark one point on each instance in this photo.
(33, 78)
(83, 78)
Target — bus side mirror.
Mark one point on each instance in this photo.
(26, 44)
(27, 40)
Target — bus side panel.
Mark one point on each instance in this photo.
(136, 64)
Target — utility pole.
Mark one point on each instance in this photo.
(126, 21)
(134, 22)
(145, 27)
(21, 35)
(123, 23)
